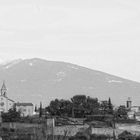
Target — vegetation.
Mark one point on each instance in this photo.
(79, 106)
(11, 116)
(122, 112)
(126, 135)
(85, 136)
(40, 110)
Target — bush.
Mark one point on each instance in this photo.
(98, 137)
(11, 116)
(125, 134)
(138, 137)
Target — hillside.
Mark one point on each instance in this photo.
(35, 80)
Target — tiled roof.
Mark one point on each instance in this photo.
(135, 106)
(7, 98)
(10, 100)
(24, 104)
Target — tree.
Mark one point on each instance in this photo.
(110, 107)
(79, 106)
(92, 106)
(11, 116)
(54, 108)
(104, 107)
(121, 112)
(60, 107)
(40, 110)
(65, 107)
(35, 108)
(85, 105)
(78, 102)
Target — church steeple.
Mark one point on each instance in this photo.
(3, 89)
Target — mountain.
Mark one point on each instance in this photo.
(35, 80)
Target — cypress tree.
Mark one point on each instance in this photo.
(110, 106)
(35, 108)
(40, 110)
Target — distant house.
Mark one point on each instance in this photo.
(137, 116)
(133, 111)
(26, 109)
(131, 114)
(135, 108)
(5, 102)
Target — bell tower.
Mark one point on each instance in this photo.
(4, 89)
(129, 103)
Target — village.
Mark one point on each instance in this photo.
(27, 119)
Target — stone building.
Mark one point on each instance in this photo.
(5, 102)
(133, 111)
(26, 109)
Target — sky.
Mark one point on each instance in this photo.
(99, 34)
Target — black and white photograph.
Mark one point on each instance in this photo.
(69, 69)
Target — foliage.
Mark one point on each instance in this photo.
(60, 107)
(121, 113)
(125, 134)
(35, 108)
(92, 106)
(138, 137)
(79, 102)
(85, 136)
(40, 110)
(106, 107)
(79, 106)
(99, 137)
(110, 107)
(11, 116)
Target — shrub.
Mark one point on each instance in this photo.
(138, 137)
(99, 137)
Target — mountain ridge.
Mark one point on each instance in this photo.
(35, 80)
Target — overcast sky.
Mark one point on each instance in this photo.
(99, 34)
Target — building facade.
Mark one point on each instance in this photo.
(26, 109)
(5, 102)
(133, 111)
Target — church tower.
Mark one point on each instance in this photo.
(4, 89)
(129, 103)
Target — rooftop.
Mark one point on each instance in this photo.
(24, 104)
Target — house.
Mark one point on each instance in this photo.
(137, 116)
(133, 111)
(5, 102)
(131, 114)
(135, 108)
(26, 109)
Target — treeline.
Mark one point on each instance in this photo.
(79, 106)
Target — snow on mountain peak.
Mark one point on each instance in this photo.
(115, 81)
(11, 63)
(73, 67)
